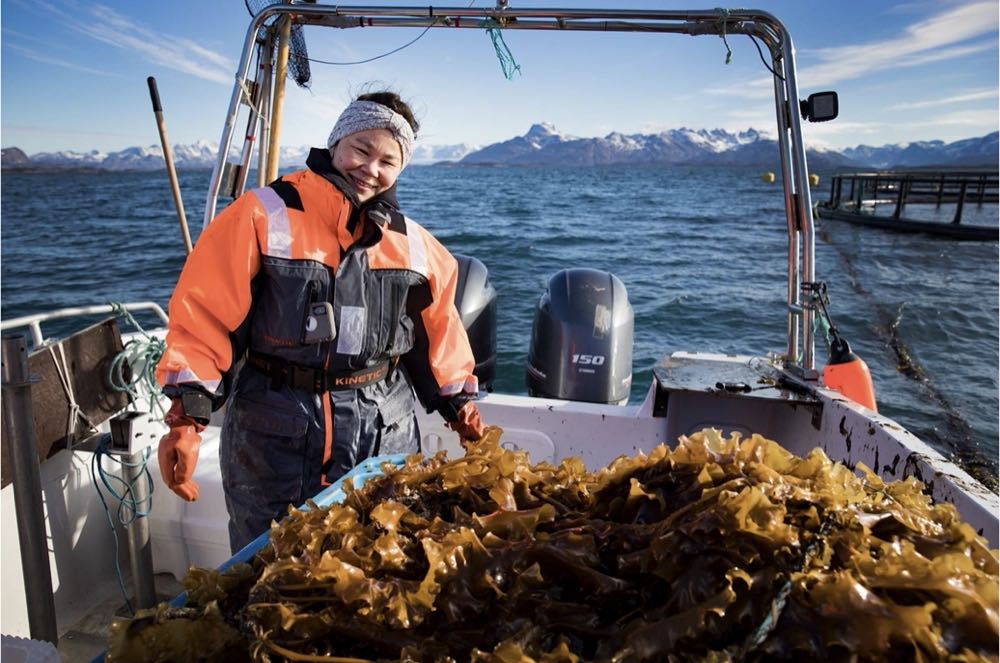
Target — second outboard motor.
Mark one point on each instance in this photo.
(581, 341)
(476, 301)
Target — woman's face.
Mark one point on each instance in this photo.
(370, 160)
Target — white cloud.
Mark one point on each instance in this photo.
(49, 131)
(975, 95)
(932, 40)
(836, 132)
(761, 88)
(923, 42)
(979, 120)
(48, 59)
(177, 53)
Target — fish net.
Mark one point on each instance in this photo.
(721, 549)
(298, 56)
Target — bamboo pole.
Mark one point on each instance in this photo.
(168, 157)
(280, 75)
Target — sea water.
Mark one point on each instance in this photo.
(701, 251)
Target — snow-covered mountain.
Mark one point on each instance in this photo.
(544, 145)
(92, 158)
(427, 154)
(196, 156)
(967, 152)
(521, 149)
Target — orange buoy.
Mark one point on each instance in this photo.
(848, 373)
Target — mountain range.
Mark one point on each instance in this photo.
(543, 145)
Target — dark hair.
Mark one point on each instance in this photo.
(393, 101)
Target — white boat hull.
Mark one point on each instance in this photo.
(81, 549)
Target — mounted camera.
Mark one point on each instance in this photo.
(820, 107)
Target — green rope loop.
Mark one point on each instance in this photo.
(723, 18)
(507, 64)
(142, 354)
(822, 325)
(818, 300)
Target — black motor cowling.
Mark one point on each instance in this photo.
(476, 301)
(581, 340)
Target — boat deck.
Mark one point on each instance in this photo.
(87, 638)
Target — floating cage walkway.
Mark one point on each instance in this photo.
(855, 197)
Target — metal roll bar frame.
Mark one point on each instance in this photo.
(255, 92)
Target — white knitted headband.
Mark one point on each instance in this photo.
(365, 115)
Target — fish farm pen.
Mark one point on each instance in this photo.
(940, 197)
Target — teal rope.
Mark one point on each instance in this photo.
(818, 300)
(129, 509)
(145, 353)
(822, 325)
(506, 58)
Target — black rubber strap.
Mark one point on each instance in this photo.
(196, 405)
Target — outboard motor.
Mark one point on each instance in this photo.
(476, 301)
(581, 340)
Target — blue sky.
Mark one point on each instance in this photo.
(73, 74)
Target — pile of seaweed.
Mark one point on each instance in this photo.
(716, 550)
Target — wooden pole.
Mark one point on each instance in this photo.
(264, 141)
(168, 157)
(280, 75)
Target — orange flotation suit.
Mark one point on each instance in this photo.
(309, 402)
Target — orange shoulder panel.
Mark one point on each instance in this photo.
(449, 353)
(321, 230)
(212, 296)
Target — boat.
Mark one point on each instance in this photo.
(783, 398)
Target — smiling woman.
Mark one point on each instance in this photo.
(345, 311)
(371, 161)
(372, 142)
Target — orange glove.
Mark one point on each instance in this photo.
(469, 425)
(178, 452)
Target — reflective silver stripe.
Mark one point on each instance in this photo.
(351, 331)
(187, 376)
(279, 234)
(418, 250)
(469, 386)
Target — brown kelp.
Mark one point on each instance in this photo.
(719, 549)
